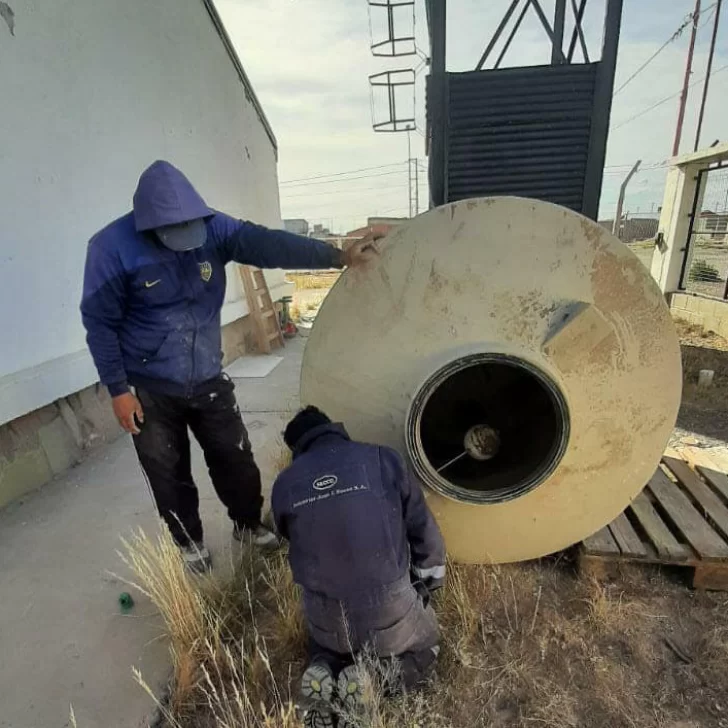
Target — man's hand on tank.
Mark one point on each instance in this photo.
(129, 412)
(362, 253)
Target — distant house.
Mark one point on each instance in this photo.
(299, 226)
(713, 226)
(380, 225)
(634, 228)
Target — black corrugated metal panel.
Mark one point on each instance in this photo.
(518, 131)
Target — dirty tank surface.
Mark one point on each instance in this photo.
(519, 317)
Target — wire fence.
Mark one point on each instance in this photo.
(706, 267)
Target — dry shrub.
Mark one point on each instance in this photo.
(610, 612)
(161, 575)
(231, 640)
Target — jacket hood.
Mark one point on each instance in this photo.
(333, 428)
(164, 196)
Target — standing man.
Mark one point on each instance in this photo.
(367, 552)
(153, 289)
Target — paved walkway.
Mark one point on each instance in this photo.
(62, 638)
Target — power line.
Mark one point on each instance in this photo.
(688, 21)
(665, 100)
(328, 193)
(713, 8)
(356, 190)
(358, 214)
(648, 168)
(348, 179)
(341, 174)
(330, 203)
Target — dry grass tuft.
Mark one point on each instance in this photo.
(160, 574)
(231, 641)
(294, 312)
(312, 282)
(283, 457)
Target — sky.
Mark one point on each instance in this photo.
(310, 62)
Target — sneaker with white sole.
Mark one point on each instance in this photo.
(317, 692)
(259, 536)
(321, 716)
(196, 557)
(317, 683)
(350, 690)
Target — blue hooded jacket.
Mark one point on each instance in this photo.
(356, 522)
(152, 315)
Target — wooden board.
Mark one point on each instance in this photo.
(711, 504)
(626, 537)
(687, 519)
(602, 542)
(666, 545)
(719, 481)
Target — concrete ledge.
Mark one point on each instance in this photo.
(44, 443)
(709, 313)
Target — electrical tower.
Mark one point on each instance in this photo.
(396, 88)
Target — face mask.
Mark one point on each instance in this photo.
(183, 236)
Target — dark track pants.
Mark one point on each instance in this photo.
(163, 447)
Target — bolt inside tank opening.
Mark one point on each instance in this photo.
(487, 428)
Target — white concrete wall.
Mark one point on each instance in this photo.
(679, 198)
(91, 92)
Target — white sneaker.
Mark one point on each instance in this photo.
(196, 557)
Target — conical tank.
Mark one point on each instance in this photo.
(522, 360)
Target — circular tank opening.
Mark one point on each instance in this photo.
(487, 428)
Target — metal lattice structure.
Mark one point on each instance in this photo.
(393, 45)
(705, 265)
(531, 131)
(392, 81)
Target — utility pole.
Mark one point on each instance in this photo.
(707, 77)
(409, 173)
(620, 202)
(686, 81)
(413, 178)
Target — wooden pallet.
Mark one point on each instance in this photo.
(679, 519)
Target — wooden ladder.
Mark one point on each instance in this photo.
(265, 318)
